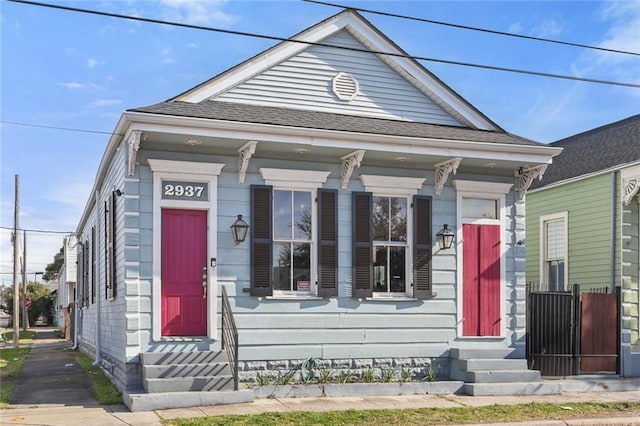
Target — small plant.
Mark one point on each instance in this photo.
(431, 373)
(405, 374)
(325, 376)
(285, 378)
(367, 376)
(387, 374)
(344, 376)
(263, 379)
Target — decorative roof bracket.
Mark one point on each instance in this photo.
(349, 163)
(630, 188)
(245, 153)
(134, 145)
(443, 170)
(526, 176)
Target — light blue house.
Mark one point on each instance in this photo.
(346, 165)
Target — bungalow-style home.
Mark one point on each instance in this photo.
(353, 209)
(582, 224)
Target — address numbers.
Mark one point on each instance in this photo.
(177, 190)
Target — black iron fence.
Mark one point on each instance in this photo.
(573, 332)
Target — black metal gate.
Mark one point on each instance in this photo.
(571, 333)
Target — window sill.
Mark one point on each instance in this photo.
(391, 299)
(293, 297)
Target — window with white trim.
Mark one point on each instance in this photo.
(392, 239)
(293, 235)
(554, 254)
(292, 240)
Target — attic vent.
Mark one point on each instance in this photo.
(345, 87)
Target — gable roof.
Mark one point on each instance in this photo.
(602, 148)
(372, 39)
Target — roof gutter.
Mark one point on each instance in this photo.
(585, 176)
(336, 138)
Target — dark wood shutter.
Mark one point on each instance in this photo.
(85, 270)
(94, 265)
(261, 240)
(362, 235)
(422, 247)
(328, 242)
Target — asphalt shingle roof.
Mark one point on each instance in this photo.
(229, 111)
(597, 149)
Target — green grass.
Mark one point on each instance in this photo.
(11, 362)
(106, 392)
(426, 416)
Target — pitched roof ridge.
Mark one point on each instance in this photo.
(578, 137)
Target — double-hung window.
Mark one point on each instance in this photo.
(392, 239)
(390, 244)
(554, 251)
(294, 250)
(292, 240)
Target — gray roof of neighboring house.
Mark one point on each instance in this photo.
(289, 117)
(597, 149)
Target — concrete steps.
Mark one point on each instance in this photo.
(494, 372)
(186, 372)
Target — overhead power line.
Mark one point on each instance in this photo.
(70, 129)
(37, 230)
(353, 49)
(466, 27)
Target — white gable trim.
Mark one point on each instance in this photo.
(370, 38)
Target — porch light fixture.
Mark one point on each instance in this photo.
(239, 230)
(445, 237)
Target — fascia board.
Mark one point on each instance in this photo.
(114, 141)
(410, 70)
(265, 60)
(339, 139)
(585, 176)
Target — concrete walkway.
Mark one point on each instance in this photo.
(54, 390)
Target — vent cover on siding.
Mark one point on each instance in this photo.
(345, 86)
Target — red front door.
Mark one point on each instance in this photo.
(481, 280)
(184, 254)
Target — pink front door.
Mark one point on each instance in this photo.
(184, 255)
(481, 280)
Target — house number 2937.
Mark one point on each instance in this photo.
(174, 190)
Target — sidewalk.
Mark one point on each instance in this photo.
(54, 390)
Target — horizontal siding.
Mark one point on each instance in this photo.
(588, 203)
(271, 328)
(305, 81)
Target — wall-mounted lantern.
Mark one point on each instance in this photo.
(445, 237)
(239, 230)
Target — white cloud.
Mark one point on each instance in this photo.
(91, 63)
(196, 11)
(624, 33)
(72, 85)
(98, 103)
(516, 27)
(547, 29)
(167, 59)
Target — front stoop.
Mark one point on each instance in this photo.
(186, 371)
(492, 372)
(184, 379)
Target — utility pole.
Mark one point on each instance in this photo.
(25, 317)
(16, 288)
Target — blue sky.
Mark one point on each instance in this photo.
(79, 71)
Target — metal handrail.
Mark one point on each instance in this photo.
(230, 336)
